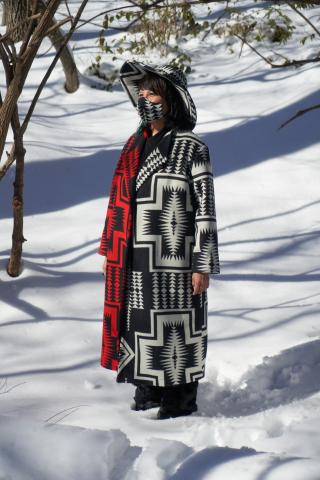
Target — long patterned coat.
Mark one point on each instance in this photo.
(163, 329)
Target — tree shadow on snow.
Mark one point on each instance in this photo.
(249, 315)
(46, 275)
(70, 181)
(275, 247)
(254, 141)
(51, 186)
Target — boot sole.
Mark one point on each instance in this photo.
(163, 415)
(145, 406)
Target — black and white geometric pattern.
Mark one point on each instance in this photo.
(149, 111)
(155, 159)
(127, 354)
(171, 290)
(164, 334)
(132, 72)
(134, 294)
(166, 223)
(172, 353)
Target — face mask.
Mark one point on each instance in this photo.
(149, 111)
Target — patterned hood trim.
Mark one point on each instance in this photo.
(132, 72)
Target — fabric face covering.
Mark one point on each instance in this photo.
(149, 111)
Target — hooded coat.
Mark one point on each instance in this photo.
(161, 336)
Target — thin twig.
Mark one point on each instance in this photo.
(43, 54)
(252, 48)
(9, 389)
(62, 411)
(154, 5)
(129, 25)
(291, 63)
(67, 7)
(303, 16)
(299, 114)
(58, 25)
(8, 51)
(214, 24)
(6, 62)
(91, 23)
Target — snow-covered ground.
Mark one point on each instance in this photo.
(63, 416)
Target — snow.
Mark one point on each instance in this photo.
(259, 403)
(30, 455)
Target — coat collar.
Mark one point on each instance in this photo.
(156, 159)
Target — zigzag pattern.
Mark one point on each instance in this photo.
(149, 111)
(161, 324)
(171, 290)
(181, 154)
(174, 356)
(115, 246)
(154, 160)
(205, 253)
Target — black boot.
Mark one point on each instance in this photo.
(147, 396)
(178, 401)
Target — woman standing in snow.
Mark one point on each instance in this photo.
(160, 243)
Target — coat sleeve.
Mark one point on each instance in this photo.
(205, 256)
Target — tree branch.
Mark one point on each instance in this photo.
(30, 28)
(291, 63)
(155, 4)
(243, 40)
(11, 157)
(304, 17)
(22, 66)
(299, 114)
(58, 25)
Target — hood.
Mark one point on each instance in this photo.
(132, 72)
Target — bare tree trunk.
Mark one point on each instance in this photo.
(3, 19)
(23, 64)
(15, 79)
(67, 60)
(13, 267)
(16, 12)
(16, 68)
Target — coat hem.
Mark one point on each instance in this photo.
(136, 381)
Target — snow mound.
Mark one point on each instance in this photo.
(32, 450)
(291, 375)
